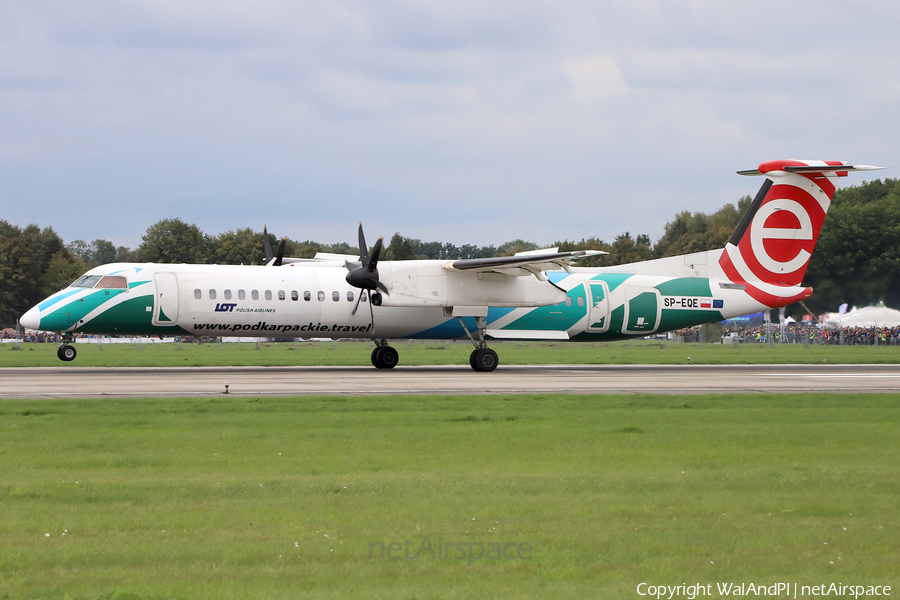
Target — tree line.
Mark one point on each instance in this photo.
(857, 259)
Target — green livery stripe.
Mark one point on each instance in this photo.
(685, 286)
(132, 317)
(555, 317)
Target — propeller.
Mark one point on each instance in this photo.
(364, 273)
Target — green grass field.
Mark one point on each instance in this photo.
(285, 497)
(440, 353)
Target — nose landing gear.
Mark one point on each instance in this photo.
(65, 352)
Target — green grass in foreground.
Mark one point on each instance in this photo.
(441, 353)
(282, 497)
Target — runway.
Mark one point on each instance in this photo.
(90, 382)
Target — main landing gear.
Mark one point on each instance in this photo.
(384, 356)
(482, 359)
(65, 351)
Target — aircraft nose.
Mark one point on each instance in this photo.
(31, 319)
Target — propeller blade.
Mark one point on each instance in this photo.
(372, 266)
(356, 306)
(372, 314)
(267, 246)
(363, 248)
(280, 254)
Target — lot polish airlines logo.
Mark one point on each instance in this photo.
(225, 306)
(780, 240)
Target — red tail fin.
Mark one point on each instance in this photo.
(770, 250)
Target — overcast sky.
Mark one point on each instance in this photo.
(463, 121)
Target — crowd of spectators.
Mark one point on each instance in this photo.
(800, 334)
(31, 336)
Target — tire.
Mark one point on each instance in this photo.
(389, 357)
(66, 353)
(385, 357)
(485, 360)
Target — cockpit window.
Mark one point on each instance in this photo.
(101, 282)
(112, 282)
(86, 281)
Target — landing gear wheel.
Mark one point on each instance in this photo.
(484, 360)
(66, 352)
(385, 357)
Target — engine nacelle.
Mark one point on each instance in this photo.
(428, 283)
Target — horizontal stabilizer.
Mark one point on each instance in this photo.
(831, 167)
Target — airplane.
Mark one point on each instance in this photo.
(535, 295)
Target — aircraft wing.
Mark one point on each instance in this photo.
(523, 263)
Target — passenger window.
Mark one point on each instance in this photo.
(281, 295)
(268, 294)
(321, 296)
(295, 296)
(580, 300)
(212, 294)
(307, 296)
(242, 295)
(254, 295)
(350, 296)
(336, 296)
(198, 294)
(568, 301)
(363, 297)
(227, 294)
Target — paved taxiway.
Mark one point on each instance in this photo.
(69, 382)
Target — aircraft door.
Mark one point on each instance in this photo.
(598, 306)
(642, 311)
(165, 306)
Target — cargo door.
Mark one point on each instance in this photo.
(642, 311)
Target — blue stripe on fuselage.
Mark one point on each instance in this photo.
(54, 299)
(451, 329)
